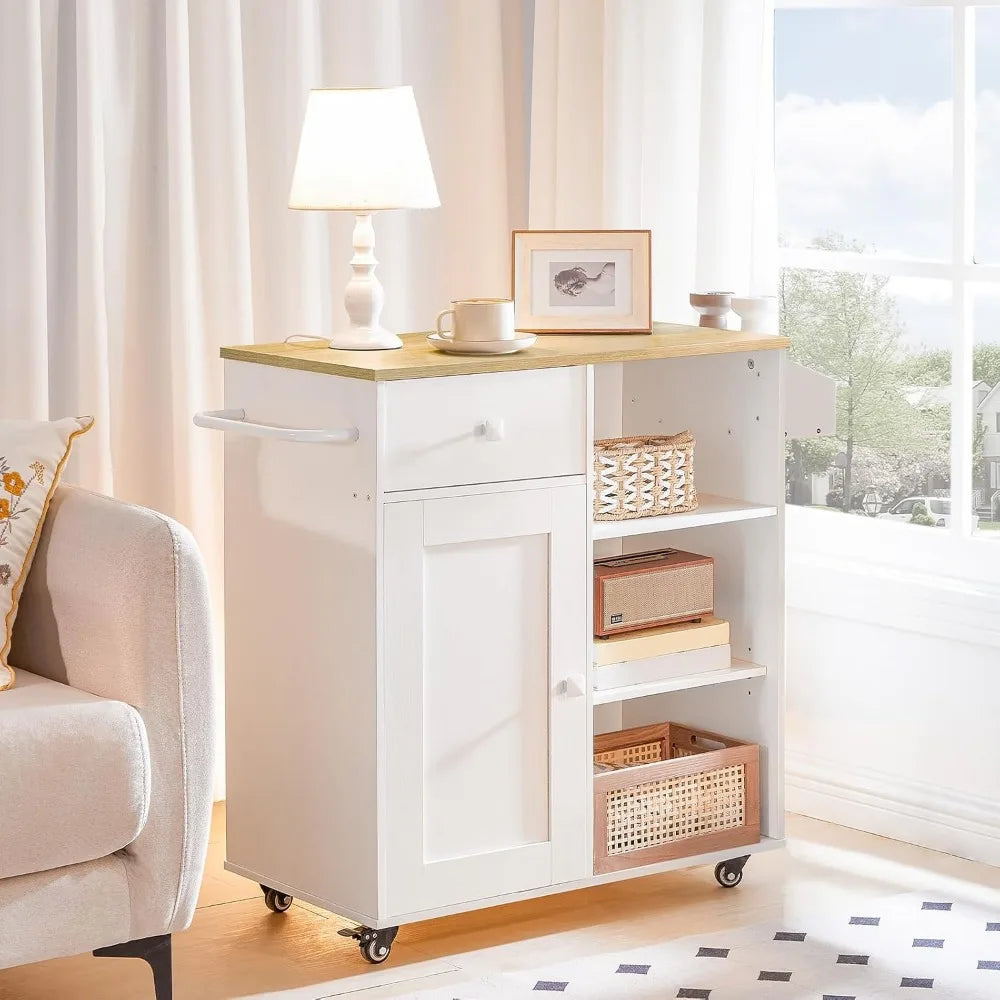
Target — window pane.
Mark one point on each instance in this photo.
(863, 129)
(986, 403)
(887, 343)
(987, 241)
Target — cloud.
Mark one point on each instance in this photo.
(872, 170)
(881, 173)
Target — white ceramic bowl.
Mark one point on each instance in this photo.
(758, 313)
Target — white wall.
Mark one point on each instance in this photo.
(894, 681)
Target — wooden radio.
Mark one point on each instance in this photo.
(651, 588)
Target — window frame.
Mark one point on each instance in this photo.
(961, 270)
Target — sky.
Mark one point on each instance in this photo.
(863, 144)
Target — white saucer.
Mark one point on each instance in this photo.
(450, 346)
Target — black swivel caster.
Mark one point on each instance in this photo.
(276, 902)
(729, 873)
(374, 945)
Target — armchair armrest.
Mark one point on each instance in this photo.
(116, 603)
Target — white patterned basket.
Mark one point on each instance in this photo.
(643, 477)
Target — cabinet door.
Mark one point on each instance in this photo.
(487, 786)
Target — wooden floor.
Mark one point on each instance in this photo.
(238, 948)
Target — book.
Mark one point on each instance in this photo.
(661, 668)
(649, 643)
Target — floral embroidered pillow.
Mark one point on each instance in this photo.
(32, 456)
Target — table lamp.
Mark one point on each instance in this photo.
(363, 151)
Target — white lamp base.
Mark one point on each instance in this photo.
(362, 338)
(363, 298)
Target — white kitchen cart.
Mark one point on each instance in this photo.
(409, 706)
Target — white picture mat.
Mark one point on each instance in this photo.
(572, 245)
(540, 279)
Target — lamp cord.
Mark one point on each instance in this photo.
(305, 336)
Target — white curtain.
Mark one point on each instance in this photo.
(146, 152)
(657, 114)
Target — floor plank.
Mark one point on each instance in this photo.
(237, 948)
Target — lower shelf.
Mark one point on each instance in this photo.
(712, 858)
(739, 670)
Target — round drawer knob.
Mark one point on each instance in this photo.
(491, 430)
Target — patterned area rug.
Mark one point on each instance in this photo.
(904, 946)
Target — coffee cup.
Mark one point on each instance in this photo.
(478, 320)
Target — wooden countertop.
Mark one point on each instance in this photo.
(417, 359)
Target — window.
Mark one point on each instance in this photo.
(887, 136)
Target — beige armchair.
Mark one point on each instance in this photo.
(106, 740)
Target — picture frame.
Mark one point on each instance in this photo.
(582, 280)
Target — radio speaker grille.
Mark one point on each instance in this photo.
(639, 599)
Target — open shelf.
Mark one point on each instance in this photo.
(739, 670)
(711, 858)
(711, 510)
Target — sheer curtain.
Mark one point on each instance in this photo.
(146, 152)
(657, 114)
(145, 157)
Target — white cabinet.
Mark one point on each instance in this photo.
(486, 721)
(409, 698)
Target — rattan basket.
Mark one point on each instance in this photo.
(643, 477)
(668, 791)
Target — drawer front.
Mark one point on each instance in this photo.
(468, 429)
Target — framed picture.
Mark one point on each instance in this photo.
(581, 281)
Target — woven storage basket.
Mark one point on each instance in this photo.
(643, 477)
(672, 792)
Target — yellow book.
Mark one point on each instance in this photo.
(659, 641)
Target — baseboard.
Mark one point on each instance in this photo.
(932, 816)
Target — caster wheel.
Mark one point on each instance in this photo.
(276, 902)
(374, 945)
(375, 951)
(729, 874)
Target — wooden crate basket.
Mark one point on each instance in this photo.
(668, 791)
(643, 477)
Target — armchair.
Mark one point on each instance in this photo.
(106, 740)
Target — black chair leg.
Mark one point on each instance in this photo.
(155, 951)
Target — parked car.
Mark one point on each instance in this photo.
(938, 508)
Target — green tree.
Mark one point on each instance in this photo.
(979, 472)
(986, 363)
(804, 458)
(934, 367)
(848, 327)
(925, 368)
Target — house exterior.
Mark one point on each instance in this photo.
(987, 401)
(986, 405)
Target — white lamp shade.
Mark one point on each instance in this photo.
(362, 151)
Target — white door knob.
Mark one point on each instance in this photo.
(575, 686)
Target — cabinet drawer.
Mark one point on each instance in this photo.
(468, 429)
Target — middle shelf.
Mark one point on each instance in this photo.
(738, 670)
(669, 658)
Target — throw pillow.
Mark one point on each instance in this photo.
(32, 456)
